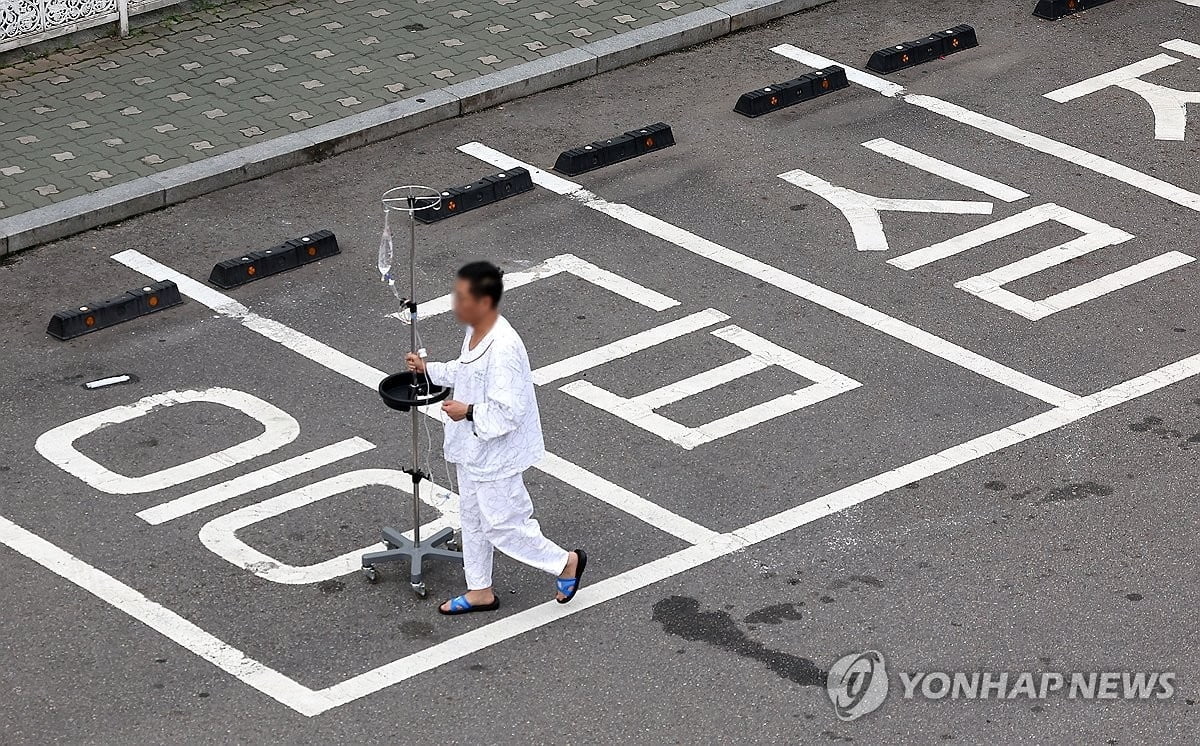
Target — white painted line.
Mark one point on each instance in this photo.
(308, 702)
(220, 534)
(1096, 233)
(110, 381)
(627, 346)
(624, 500)
(222, 304)
(804, 57)
(767, 528)
(522, 622)
(1069, 153)
(1179, 45)
(639, 410)
(544, 179)
(1169, 104)
(971, 450)
(1169, 107)
(862, 210)
(58, 445)
(948, 171)
(255, 480)
(1116, 280)
(164, 621)
(556, 265)
(790, 283)
(701, 382)
(1193, 3)
(356, 370)
(1112, 78)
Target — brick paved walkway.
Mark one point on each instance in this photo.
(209, 82)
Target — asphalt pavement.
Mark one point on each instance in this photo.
(859, 452)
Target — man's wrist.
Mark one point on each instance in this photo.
(470, 412)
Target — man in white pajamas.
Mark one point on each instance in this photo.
(493, 435)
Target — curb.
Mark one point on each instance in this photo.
(147, 193)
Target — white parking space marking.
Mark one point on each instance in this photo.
(1096, 235)
(949, 171)
(624, 347)
(639, 410)
(163, 621)
(220, 534)
(622, 499)
(1168, 104)
(255, 480)
(1193, 3)
(785, 281)
(556, 265)
(1112, 78)
(865, 79)
(1040, 143)
(58, 445)
(970, 450)
(1191, 49)
(988, 286)
(309, 702)
(862, 210)
(360, 372)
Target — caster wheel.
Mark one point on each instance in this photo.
(370, 573)
(419, 589)
(453, 545)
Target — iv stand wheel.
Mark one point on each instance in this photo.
(419, 588)
(370, 573)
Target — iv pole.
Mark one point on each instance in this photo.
(407, 392)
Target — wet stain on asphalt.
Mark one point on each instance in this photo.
(1155, 426)
(776, 614)
(1076, 491)
(681, 616)
(995, 486)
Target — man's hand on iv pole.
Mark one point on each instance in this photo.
(415, 363)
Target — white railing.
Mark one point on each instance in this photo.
(24, 22)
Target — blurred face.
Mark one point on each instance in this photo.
(468, 308)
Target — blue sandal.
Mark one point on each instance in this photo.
(460, 605)
(570, 586)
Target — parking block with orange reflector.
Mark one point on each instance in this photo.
(779, 95)
(288, 255)
(603, 153)
(471, 196)
(910, 53)
(1055, 9)
(130, 305)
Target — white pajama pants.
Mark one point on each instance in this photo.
(499, 514)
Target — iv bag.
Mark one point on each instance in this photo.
(385, 251)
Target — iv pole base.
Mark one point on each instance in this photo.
(402, 549)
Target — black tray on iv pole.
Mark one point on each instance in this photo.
(407, 392)
(401, 392)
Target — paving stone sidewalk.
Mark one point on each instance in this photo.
(209, 82)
